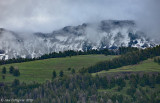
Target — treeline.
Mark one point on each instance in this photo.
(85, 88)
(129, 58)
(121, 50)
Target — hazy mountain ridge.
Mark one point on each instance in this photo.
(106, 34)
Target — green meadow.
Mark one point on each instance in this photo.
(41, 70)
(144, 66)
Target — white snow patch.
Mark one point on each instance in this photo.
(61, 38)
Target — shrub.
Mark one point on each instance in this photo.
(73, 71)
(16, 82)
(16, 72)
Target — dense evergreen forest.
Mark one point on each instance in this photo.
(121, 50)
(78, 88)
(130, 58)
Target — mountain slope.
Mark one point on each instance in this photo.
(106, 34)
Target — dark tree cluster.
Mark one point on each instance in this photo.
(124, 50)
(129, 58)
(85, 89)
(54, 74)
(72, 70)
(4, 72)
(12, 70)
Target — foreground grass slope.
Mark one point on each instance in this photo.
(145, 66)
(41, 70)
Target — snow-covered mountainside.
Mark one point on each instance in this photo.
(106, 34)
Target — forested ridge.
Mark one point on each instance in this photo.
(130, 58)
(78, 88)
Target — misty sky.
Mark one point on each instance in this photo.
(48, 15)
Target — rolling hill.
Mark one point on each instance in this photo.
(41, 70)
(144, 66)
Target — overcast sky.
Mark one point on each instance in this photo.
(49, 15)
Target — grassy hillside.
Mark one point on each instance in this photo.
(41, 70)
(145, 66)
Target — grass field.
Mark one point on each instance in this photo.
(41, 70)
(145, 66)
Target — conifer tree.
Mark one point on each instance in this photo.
(11, 69)
(61, 73)
(54, 74)
(4, 70)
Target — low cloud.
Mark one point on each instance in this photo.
(49, 15)
(148, 18)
